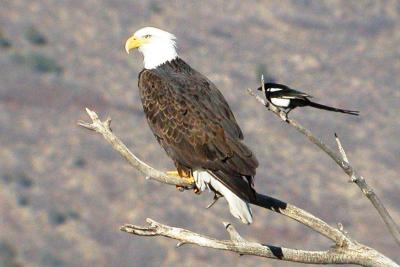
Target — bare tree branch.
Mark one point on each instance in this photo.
(264, 201)
(341, 240)
(301, 216)
(354, 253)
(341, 149)
(343, 164)
(104, 129)
(370, 194)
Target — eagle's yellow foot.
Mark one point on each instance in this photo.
(196, 190)
(186, 176)
(183, 175)
(173, 173)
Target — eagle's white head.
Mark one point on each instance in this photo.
(157, 46)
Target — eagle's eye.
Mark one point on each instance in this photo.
(147, 36)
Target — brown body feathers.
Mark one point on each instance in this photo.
(193, 123)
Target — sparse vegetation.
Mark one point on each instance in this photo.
(23, 201)
(73, 215)
(38, 62)
(23, 180)
(57, 217)
(80, 162)
(19, 178)
(8, 254)
(34, 36)
(155, 7)
(49, 259)
(4, 41)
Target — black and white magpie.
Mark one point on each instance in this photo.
(288, 99)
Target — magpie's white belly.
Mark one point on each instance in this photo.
(284, 103)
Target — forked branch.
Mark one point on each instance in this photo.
(352, 254)
(371, 195)
(345, 249)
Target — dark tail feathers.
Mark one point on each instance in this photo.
(320, 106)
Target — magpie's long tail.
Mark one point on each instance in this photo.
(320, 106)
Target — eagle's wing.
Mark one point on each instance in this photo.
(193, 122)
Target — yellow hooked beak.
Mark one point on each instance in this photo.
(133, 43)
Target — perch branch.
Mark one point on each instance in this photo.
(340, 254)
(264, 201)
(104, 129)
(352, 254)
(343, 164)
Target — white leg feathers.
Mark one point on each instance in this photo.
(238, 207)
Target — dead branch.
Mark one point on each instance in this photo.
(354, 253)
(371, 195)
(264, 201)
(104, 128)
(345, 251)
(343, 163)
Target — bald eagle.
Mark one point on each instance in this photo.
(193, 122)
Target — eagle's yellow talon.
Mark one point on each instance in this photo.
(182, 175)
(190, 178)
(196, 191)
(186, 176)
(173, 173)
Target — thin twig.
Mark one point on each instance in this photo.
(371, 195)
(341, 149)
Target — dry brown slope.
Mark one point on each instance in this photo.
(66, 192)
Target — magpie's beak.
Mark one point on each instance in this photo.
(259, 88)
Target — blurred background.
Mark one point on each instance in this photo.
(64, 192)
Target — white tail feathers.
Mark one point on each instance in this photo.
(239, 208)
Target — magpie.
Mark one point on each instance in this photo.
(288, 99)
